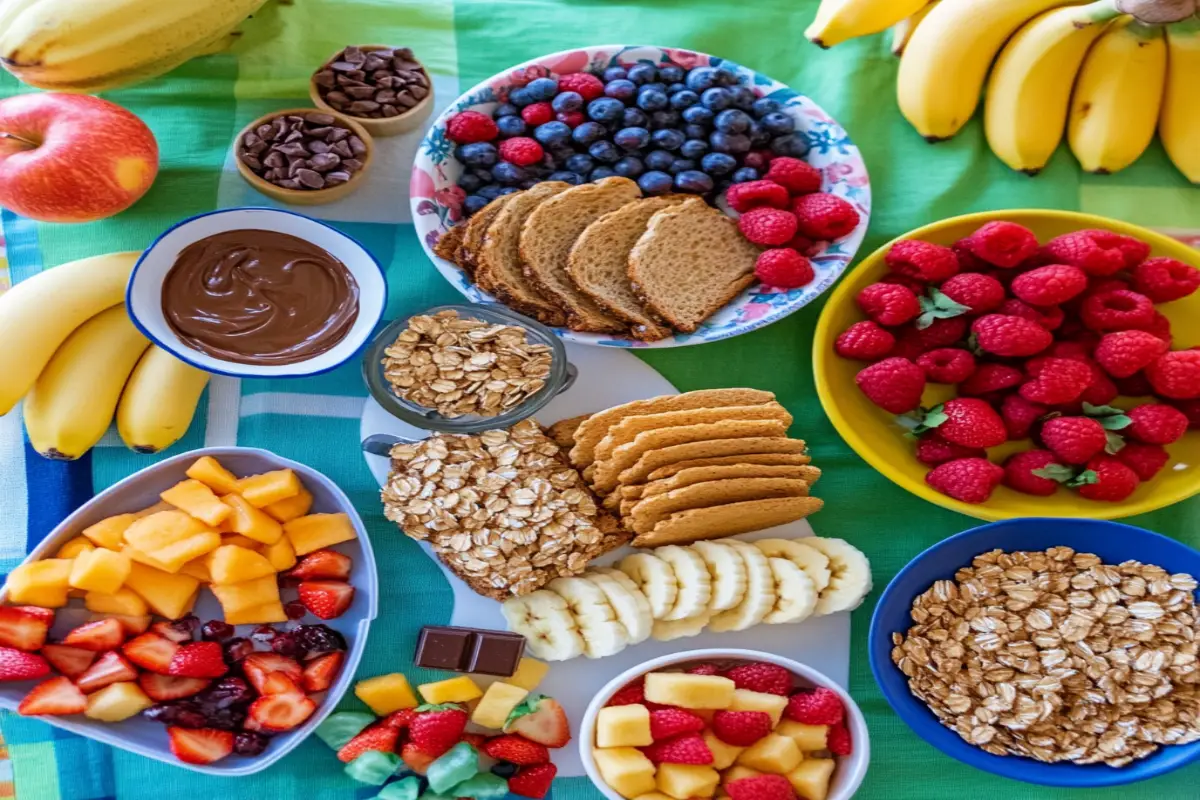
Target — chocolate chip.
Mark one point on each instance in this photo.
(405, 65)
(356, 146)
(316, 118)
(295, 152)
(274, 159)
(321, 132)
(325, 79)
(294, 136)
(289, 183)
(251, 161)
(358, 82)
(318, 147)
(293, 149)
(251, 139)
(361, 108)
(385, 96)
(337, 98)
(311, 179)
(264, 131)
(418, 92)
(407, 76)
(374, 62)
(343, 149)
(324, 162)
(406, 98)
(275, 175)
(352, 164)
(342, 66)
(354, 55)
(337, 135)
(404, 52)
(389, 111)
(257, 149)
(360, 92)
(336, 178)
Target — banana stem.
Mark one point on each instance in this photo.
(30, 144)
(1158, 12)
(1188, 28)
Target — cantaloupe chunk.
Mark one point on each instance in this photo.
(209, 471)
(123, 602)
(108, 532)
(198, 500)
(295, 506)
(142, 558)
(162, 529)
(238, 540)
(133, 626)
(167, 594)
(319, 530)
(80, 544)
(154, 509)
(269, 487)
(258, 615)
(117, 701)
(237, 597)
(40, 583)
(250, 522)
(102, 571)
(198, 569)
(174, 556)
(232, 564)
(281, 555)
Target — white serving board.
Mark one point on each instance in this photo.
(608, 378)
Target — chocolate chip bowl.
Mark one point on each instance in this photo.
(385, 89)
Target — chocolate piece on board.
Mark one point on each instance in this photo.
(469, 650)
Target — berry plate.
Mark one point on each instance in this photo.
(437, 201)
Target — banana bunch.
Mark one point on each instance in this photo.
(82, 362)
(93, 46)
(1104, 75)
(677, 591)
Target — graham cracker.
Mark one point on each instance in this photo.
(627, 429)
(687, 477)
(563, 431)
(654, 509)
(666, 456)
(765, 459)
(715, 522)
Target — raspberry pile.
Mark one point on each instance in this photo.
(1038, 341)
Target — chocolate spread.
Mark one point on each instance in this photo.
(259, 297)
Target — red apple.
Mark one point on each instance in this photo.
(72, 157)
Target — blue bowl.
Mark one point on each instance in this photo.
(1113, 542)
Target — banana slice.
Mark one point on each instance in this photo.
(795, 595)
(691, 574)
(665, 631)
(809, 559)
(655, 579)
(631, 606)
(850, 579)
(602, 634)
(727, 571)
(543, 619)
(760, 592)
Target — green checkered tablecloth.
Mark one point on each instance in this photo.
(195, 113)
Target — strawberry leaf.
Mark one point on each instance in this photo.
(938, 306)
(944, 303)
(1113, 443)
(524, 708)
(1088, 476)
(439, 707)
(973, 345)
(931, 419)
(1111, 419)
(1055, 472)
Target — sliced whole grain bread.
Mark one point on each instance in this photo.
(656, 459)
(472, 239)
(546, 242)
(599, 263)
(498, 260)
(690, 262)
(650, 511)
(762, 459)
(716, 522)
(448, 243)
(628, 428)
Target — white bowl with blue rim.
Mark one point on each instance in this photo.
(437, 200)
(143, 297)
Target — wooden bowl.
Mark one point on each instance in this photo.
(385, 126)
(307, 197)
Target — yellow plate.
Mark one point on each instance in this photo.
(875, 435)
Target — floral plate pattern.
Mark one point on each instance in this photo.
(437, 200)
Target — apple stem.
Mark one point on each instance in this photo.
(32, 145)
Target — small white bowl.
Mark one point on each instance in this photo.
(850, 771)
(143, 297)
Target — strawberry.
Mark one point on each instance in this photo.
(17, 665)
(761, 787)
(400, 720)
(70, 661)
(322, 564)
(630, 694)
(437, 728)
(702, 669)
(133, 625)
(966, 421)
(169, 630)
(1020, 415)
(741, 728)
(689, 748)
(280, 683)
(320, 673)
(414, 758)
(540, 719)
(515, 750)
(24, 627)
(820, 706)
(109, 668)
(326, 599)
(933, 450)
(1156, 423)
(1106, 478)
(970, 480)
(106, 634)
(837, 741)
(376, 737)
(1144, 459)
(761, 677)
(53, 697)
(894, 384)
(1074, 440)
(1035, 472)
(280, 712)
(668, 722)
(164, 688)
(257, 666)
(533, 781)
(200, 745)
(476, 740)
(151, 651)
(198, 660)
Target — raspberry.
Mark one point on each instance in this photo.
(761, 787)
(761, 677)
(1020, 415)
(824, 216)
(1050, 318)
(1004, 244)
(971, 480)
(932, 449)
(783, 268)
(1076, 351)
(670, 722)
(819, 706)
(744, 196)
(801, 244)
(967, 421)
(536, 114)
(467, 127)
(1035, 472)
(918, 287)
(990, 378)
(1160, 326)
(888, 303)
(687, 749)
(864, 341)
(1074, 439)
(1175, 375)
(1144, 459)
(798, 177)
(767, 226)
(1122, 353)
(923, 260)
(894, 384)
(1165, 279)
(1156, 423)
(947, 365)
(1101, 391)
(980, 293)
(572, 119)
(837, 741)
(1134, 386)
(1106, 478)
(1056, 380)
(1095, 252)
(521, 150)
(968, 261)
(585, 83)
(741, 728)
(1191, 410)
(1009, 336)
(1118, 310)
(1051, 285)
(940, 333)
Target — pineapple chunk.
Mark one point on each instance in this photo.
(689, 691)
(80, 544)
(108, 532)
(626, 770)
(291, 508)
(117, 701)
(209, 471)
(154, 509)
(232, 564)
(773, 704)
(269, 487)
(198, 500)
(682, 781)
(736, 773)
(174, 556)
(250, 522)
(198, 569)
(386, 693)
(773, 753)
(452, 690)
(529, 674)
(102, 571)
(808, 738)
(810, 780)
(623, 726)
(238, 597)
(258, 615)
(498, 702)
(168, 595)
(162, 529)
(319, 530)
(240, 541)
(123, 602)
(281, 555)
(40, 583)
(724, 755)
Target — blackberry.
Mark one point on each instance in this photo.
(718, 164)
(664, 119)
(294, 610)
(778, 123)
(685, 99)
(652, 99)
(743, 97)
(659, 160)
(701, 78)
(655, 183)
(285, 644)
(693, 131)
(793, 144)
(632, 138)
(622, 90)
(581, 163)
(732, 120)
(635, 118)
(317, 640)
(552, 133)
(249, 743)
(542, 89)
(681, 165)
(601, 172)
(604, 151)
(716, 99)
(226, 719)
(735, 143)
(474, 204)
(615, 74)
(505, 110)
(216, 630)
(698, 115)
(671, 73)
(629, 167)
(588, 132)
(567, 101)
(237, 649)
(161, 712)
(642, 73)
(693, 181)
(745, 174)
(478, 154)
(692, 148)
(669, 138)
(765, 105)
(605, 109)
(227, 692)
(573, 178)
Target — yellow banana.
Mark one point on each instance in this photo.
(839, 20)
(41, 313)
(74, 400)
(1115, 109)
(1029, 92)
(946, 62)
(159, 401)
(1179, 124)
(69, 46)
(903, 30)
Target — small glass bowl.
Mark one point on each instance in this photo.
(562, 373)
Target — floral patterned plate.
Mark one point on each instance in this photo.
(437, 200)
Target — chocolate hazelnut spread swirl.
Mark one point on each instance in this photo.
(259, 297)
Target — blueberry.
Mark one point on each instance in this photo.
(605, 109)
(669, 139)
(587, 132)
(552, 133)
(565, 102)
(632, 138)
(759, 136)
(635, 118)
(629, 167)
(701, 78)
(614, 74)
(604, 151)
(490, 192)
(726, 77)
(573, 178)
(671, 73)
(778, 123)
(529, 184)
(478, 154)
(509, 190)
(520, 97)
(664, 119)
(729, 142)
(696, 131)
(509, 174)
(693, 148)
(510, 126)
(659, 160)
(682, 165)
(650, 99)
(643, 73)
(745, 174)
(732, 121)
(765, 105)
(503, 768)
(622, 89)
(693, 181)
(474, 203)
(561, 151)
(542, 88)
(601, 172)
(484, 175)
(718, 164)
(505, 110)
(676, 88)
(794, 145)
(581, 163)
(469, 183)
(716, 99)
(684, 99)
(655, 182)
(698, 115)
(743, 97)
